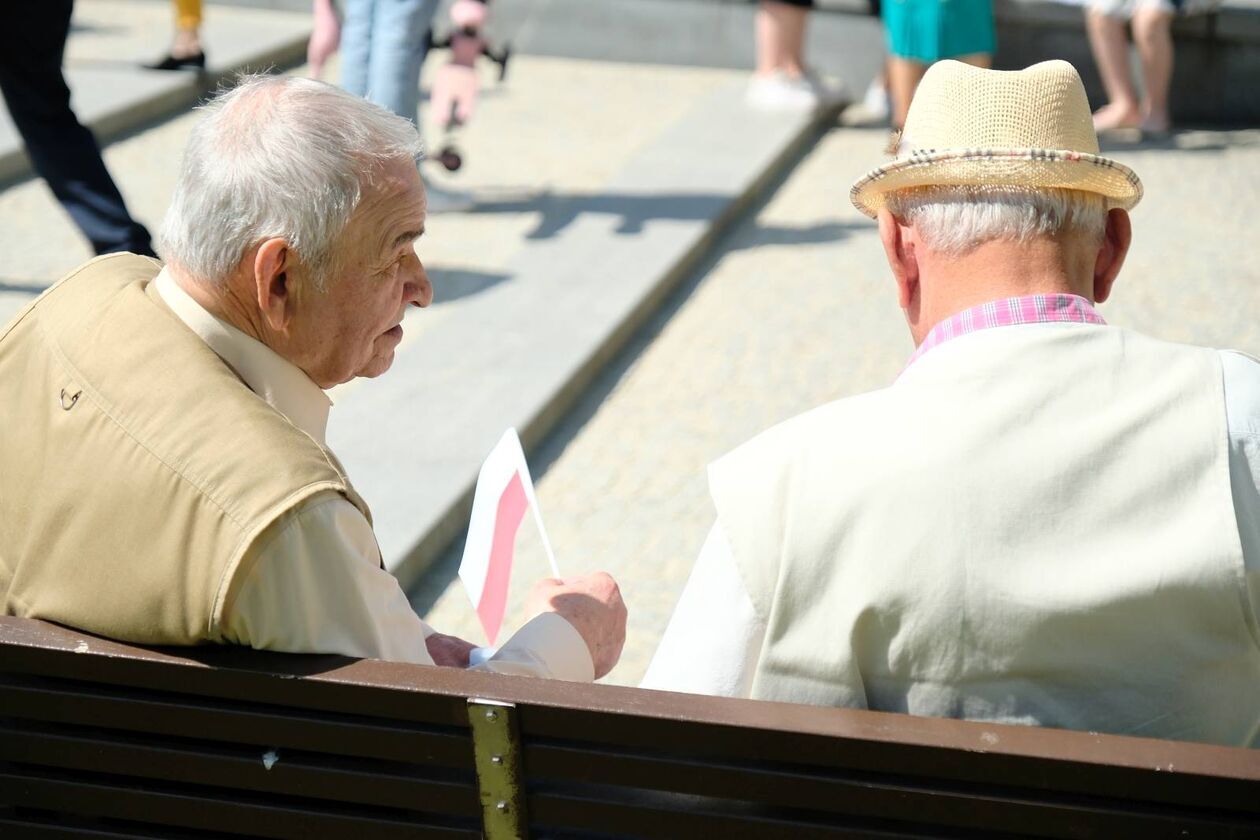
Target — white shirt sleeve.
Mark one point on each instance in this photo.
(715, 636)
(315, 585)
(1242, 410)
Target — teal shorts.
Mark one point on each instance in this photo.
(929, 30)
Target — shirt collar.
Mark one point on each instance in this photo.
(1029, 309)
(282, 384)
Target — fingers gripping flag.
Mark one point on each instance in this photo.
(504, 492)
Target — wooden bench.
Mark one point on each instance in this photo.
(104, 740)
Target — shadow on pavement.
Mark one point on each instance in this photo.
(560, 211)
(454, 283)
(761, 235)
(23, 288)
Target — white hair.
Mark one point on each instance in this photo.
(955, 219)
(277, 157)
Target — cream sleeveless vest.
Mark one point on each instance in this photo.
(136, 468)
(1032, 525)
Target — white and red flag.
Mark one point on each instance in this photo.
(504, 492)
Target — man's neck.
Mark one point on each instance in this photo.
(224, 302)
(993, 271)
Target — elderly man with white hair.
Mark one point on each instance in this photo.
(1044, 519)
(164, 477)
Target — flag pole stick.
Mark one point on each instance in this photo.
(551, 558)
(533, 500)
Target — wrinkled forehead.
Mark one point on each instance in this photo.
(392, 203)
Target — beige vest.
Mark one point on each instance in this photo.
(1033, 525)
(136, 467)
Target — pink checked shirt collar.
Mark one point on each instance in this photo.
(1030, 309)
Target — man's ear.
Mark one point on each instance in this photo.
(1115, 246)
(273, 265)
(901, 259)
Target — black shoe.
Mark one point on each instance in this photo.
(196, 61)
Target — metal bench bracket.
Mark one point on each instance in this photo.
(497, 754)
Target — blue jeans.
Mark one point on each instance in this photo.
(382, 48)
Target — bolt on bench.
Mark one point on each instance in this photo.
(104, 740)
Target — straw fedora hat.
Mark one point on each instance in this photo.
(1025, 129)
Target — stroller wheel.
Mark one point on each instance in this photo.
(450, 159)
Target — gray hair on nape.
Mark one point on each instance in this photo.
(282, 157)
(954, 220)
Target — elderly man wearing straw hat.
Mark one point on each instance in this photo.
(1044, 519)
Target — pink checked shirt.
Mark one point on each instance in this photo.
(1030, 309)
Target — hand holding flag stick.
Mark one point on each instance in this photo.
(591, 604)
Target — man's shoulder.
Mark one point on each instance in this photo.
(852, 416)
(158, 390)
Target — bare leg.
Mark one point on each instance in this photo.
(187, 40)
(1111, 53)
(903, 77)
(1152, 32)
(977, 60)
(780, 38)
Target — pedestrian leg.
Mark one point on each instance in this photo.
(61, 149)
(1111, 52)
(1152, 33)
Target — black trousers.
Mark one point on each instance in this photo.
(63, 152)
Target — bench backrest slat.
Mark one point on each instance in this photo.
(877, 796)
(291, 772)
(164, 713)
(207, 809)
(98, 732)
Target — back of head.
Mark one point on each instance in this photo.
(954, 220)
(993, 154)
(277, 157)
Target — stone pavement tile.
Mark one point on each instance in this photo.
(796, 310)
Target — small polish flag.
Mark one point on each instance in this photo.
(504, 491)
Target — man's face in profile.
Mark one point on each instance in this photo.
(354, 326)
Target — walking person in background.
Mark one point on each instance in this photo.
(185, 51)
(922, 32)
(782, 80)
(1152, 34)
(61, 149)
(383, 45)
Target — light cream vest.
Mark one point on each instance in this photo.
(136, 467)
(1033, 525)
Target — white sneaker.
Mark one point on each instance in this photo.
(777, 92)
(447, 201)
(876, 101)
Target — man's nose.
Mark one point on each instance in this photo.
(420, 290)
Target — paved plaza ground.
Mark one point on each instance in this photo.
(794, 308)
